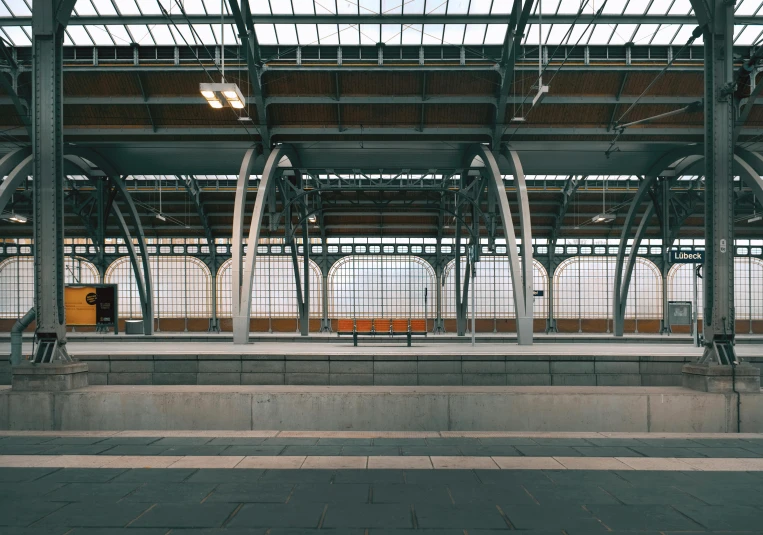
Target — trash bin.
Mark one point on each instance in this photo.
(133, 326)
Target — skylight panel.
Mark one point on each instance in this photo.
(681, 7)
(557, 34)
(665, 34)
(369, 34)
(390, 7)
(205, 33)
(644, 33)
(104, 7)
(414, 7)
(637, 7)
(281, 7)
(18, 8)
(120, 35)
(502, 8)
(230, 34)
(213, 7)
(495, 34)
(748, 7)
(369, 7)
(616, 7)
(747, 35)
(67, 40)
(658, 7)
(348, 34)
(456, 7)
(79, 36)
(328, 34)
(531, 34)
(287, 34)
(622, 34)
(259, 7)
(432, 34)
(139, 32)
(412, 34)
(151, 7)
(307, 34)
(127, 7)
(347, 7)
(601, 34)
(436, 7)
(4, 13)
(84, 8)
(390, 34)
(573, 6)
(454, 34)
(322, 7)
(303, 7)
(100, 36)
(181, 32)
(475, 34)
(580, 34)
(162, 35)
(548, 7)
(684, 34)
(266, 34)
(194, 7)
(480, 7)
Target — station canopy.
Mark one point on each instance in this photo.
(370, 22)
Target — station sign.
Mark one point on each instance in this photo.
(687, 257)
(537, 293)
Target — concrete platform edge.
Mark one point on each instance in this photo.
(302, 408)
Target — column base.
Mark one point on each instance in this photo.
(718, 378)
(49, 377)
(525, 331)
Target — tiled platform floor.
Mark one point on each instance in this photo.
(670, 486)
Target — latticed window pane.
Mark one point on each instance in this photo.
(381, 286)
(274, 292)
(17, 282)
(182, 287)
(584, 288)
(494, 289)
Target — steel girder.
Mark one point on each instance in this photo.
(242, 270)
(289, 193)
(83, 157)
(511, 43)
(521, 273)
(671, 165)
(383, 18)
(243, 19)
(10, 87)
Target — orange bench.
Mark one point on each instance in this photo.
(382, 326)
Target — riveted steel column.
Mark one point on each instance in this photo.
(718, 276)
(48, 24)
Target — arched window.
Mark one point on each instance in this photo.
(17, 282)
(381, 286)
(748, 287)
(584, 288)
(494, 289)
(182, 287)
(274, 294)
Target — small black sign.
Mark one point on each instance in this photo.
(106, 298)
(537, 293)
(687, 257)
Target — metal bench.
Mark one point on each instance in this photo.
(381, 327)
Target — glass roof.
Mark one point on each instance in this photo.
(486, 32)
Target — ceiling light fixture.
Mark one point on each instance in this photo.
(312, 218)
(216, 94)
(754, 218)
(603, 217)
(16, 218)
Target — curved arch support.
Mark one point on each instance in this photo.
(16, 176)
(522, 291)
(80, 156)
(243, 269)
(750, 166)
